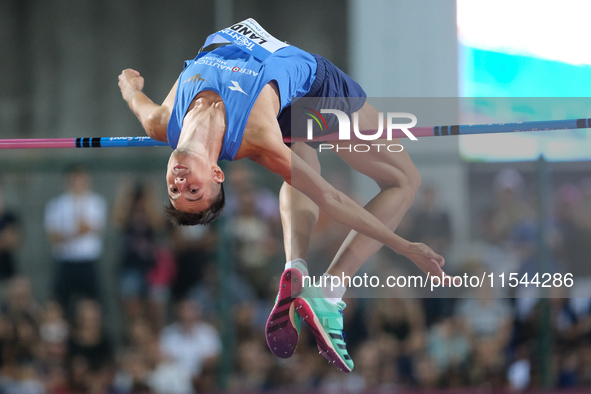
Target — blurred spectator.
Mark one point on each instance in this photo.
(194, 249)
(89, 347)
(134, 375)
(448, 346)
(389, 379)
(497, 224)
(425, 373)
(431, 224)
(190, 342)
(519, 372)
(585, 357)
(77, 373)
(489, 322)
(310, 368)
(524, 242)
(245, 321)
(9, 241)
(570, 328)
(19, 299)
(370, 357)
(19, 352)
(333, 381)
(256, 227)
(23, 340)
(140, 333)
(486, 318)
(165, 377)
(26, 381)
(54, 333)
(399, 327)
(238, 291)
(583, 211)
(254, 365)
(574, 247)
(256, 244)
(138, 219)
(160, 279)
(74, 222)
(99, 381)
(143, 368)
(241, 179)
(495, 255)
(54, 327)
(510, 207)
(19, 340)
(568, 373)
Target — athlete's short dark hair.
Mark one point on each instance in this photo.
(208, 215)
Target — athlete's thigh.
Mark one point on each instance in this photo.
(385, 167)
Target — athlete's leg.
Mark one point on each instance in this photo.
(399, 181)
(298, 213)
(298, 216)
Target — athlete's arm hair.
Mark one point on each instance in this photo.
(181, 218)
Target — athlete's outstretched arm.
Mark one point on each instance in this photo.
(278, 158)
(153, 117)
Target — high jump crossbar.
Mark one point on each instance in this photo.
(123, 142)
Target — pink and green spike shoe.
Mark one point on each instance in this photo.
(326, 322)
(283, 325)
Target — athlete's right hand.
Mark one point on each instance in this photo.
(130, 82)
(426, 259)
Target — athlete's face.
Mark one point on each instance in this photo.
(190, 182)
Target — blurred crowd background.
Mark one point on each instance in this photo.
(98, 293)
(167, 332)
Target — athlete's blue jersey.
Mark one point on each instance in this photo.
(238, 77)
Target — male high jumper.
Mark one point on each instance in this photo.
(234, 103)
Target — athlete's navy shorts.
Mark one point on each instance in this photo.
(330, 83)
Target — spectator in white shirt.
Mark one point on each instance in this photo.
(74, 223)
(189, 342)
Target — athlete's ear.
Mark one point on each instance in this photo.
(218, 174)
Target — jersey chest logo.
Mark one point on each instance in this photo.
(195, 78)
(237, 87)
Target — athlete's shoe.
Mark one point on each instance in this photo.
(326, 322)
(283, 325)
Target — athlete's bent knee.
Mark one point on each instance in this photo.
(414, 181)
(407, 182)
